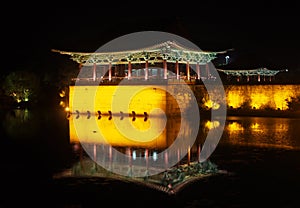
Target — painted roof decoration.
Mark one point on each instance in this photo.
(251, 72)
(170, 51)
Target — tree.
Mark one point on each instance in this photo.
(22, 86)
(293, 103)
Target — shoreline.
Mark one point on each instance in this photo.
(253, 113)
(203, 112)
(264, 113)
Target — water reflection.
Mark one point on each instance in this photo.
(170, 140)
(31, 135)
(21, 123)
(262, 131)
(24, 126)
(252, 131)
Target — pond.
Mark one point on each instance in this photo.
(260, 153)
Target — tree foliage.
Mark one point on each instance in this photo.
(293, 103)
(22, 86)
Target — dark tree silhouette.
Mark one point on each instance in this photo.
(22, 86)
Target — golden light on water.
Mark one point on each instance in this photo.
(212, 124)
(254, 126)
(142, 126)
(127, 106)
(104, 131)
(262, 132)
(93, 129)
(234, 127)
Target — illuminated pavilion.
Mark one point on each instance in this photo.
(101, 72)
(258, 72)
(152, 62)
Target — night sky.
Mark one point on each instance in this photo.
(261, 34)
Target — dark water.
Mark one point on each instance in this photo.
(261, 154)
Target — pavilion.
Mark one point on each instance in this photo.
(258, 72)
(152, 62)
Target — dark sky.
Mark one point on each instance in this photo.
(261, 34)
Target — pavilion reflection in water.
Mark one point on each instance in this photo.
(100, 140)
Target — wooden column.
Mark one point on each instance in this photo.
(95, 156)
(129, 70)
(166, 160)
(147, 159)
(109, 72)
(198, 152)
(110, 157)
(129, 161)
(95, 152)
(94, 72)
(188, 71)
(146, 70)
(198, 71)
(189, 156)
(177, 70)
(165, 69)
(207, 71)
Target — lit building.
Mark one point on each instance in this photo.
(150, 74)
(165, 64)
(258, 73)
(153, 62)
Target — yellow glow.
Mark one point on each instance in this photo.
(212, 124)
(235, 99)
(148, 99)
(261, 96)
(255, 126)
(104, 98)
(142, 126)
(62, 93)
(62, 104)
(234, 126)
(129, 131)
(280, 96)
(104, 131)
(67, 109)
(212, 105)
(258, 100)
